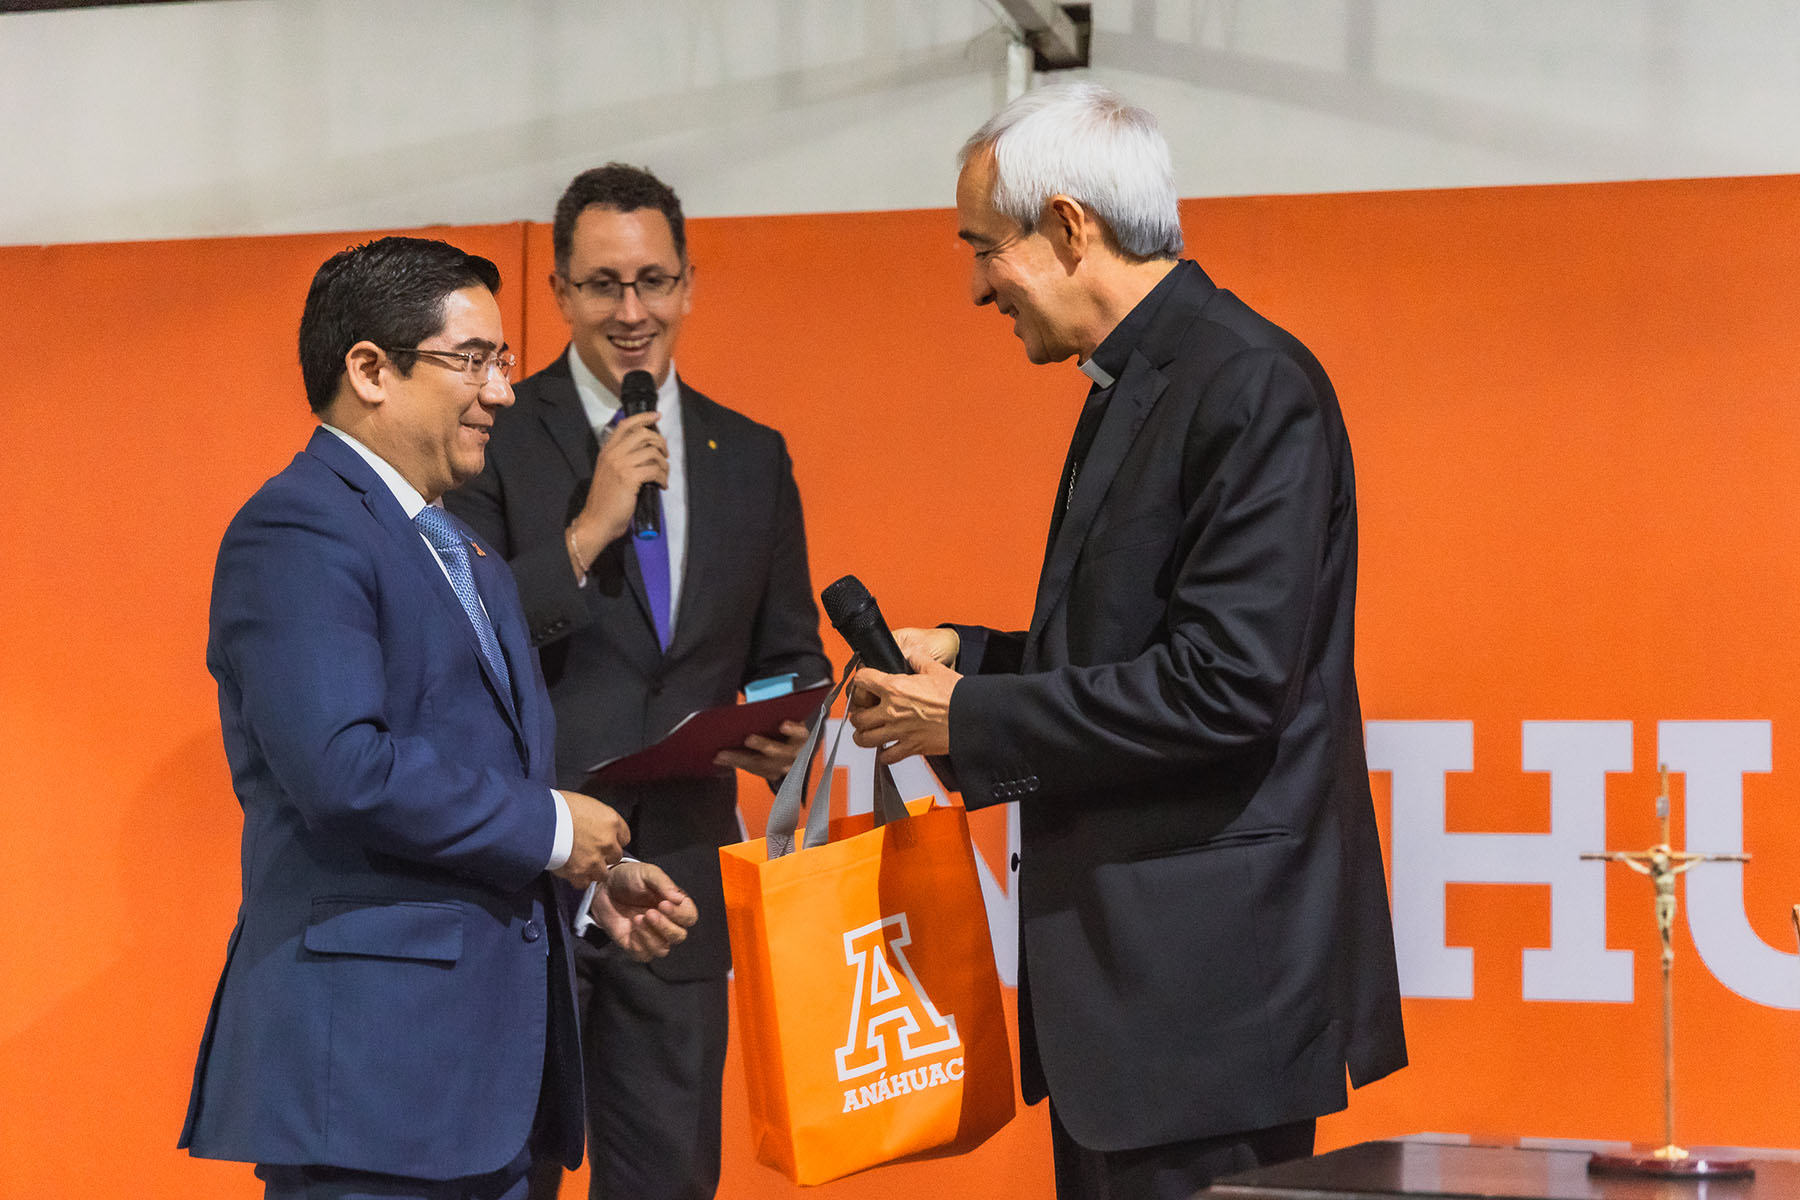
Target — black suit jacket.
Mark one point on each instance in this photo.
(746, 611)
(1205, 939)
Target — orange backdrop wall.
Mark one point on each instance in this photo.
(1577, 433)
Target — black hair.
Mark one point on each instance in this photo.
(390, 292)
(618, 186)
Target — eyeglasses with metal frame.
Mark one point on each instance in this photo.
(475, 365)
(650, 287)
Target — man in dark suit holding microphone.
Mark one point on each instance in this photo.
(396, 1014)
(638, 632)
(1205, 940)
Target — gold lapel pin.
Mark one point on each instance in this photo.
(711, 445)
(479, 552)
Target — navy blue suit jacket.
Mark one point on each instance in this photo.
(400, 957)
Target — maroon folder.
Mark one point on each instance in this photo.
(687, 751)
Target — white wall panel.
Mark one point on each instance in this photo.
(262, 116)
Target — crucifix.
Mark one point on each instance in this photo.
(1661, 864)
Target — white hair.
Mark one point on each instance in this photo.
(1088, 142)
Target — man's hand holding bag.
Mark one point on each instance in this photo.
(868, 1004)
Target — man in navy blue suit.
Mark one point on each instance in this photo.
(396, 1016)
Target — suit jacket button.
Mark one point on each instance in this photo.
(1031, 783)
(1015, 860)
(532, 931)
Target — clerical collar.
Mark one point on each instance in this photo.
(1096, 372)
(1107, 362)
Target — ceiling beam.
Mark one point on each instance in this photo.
(1048, 29)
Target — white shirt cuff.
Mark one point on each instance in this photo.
(564, 841)
(583, 922)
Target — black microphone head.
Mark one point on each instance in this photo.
(857, 618)
(844, 599)
(637, 393)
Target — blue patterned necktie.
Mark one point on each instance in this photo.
(454, 554)
(653, 565)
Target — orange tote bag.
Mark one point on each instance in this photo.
(868, 1006)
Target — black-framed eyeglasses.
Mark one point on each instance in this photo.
(475, 365)
(651, 286)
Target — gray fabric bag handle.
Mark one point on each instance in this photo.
(784, 814)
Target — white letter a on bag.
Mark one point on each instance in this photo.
(889, 1001)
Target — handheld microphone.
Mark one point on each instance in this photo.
(857, 618)
(637, 394)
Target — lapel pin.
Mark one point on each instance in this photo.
(711, 445)
(479, 552)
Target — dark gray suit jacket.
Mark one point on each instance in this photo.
(746, 611)
(1205, 938)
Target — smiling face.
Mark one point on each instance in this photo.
(433, 423)
(1015, 270)
(615, 337)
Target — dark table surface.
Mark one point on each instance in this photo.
(1445, 1166)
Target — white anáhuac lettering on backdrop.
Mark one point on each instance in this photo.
(1577, 756)
(1713, 756)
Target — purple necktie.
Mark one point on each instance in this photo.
(653, 564)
